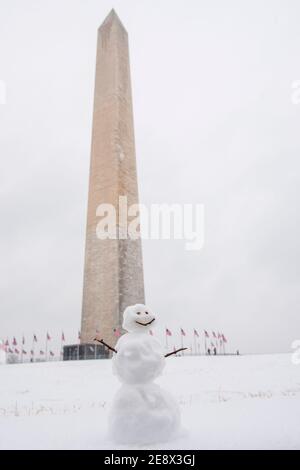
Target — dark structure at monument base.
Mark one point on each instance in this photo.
(85, 352)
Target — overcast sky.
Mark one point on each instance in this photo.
(214, 124)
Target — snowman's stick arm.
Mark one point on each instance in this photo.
(175, 352)
(105, 344)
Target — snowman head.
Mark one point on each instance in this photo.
(138, 318)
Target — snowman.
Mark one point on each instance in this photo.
(142, 413)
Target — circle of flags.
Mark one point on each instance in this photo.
(214, 343)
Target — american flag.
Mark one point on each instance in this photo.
(182, 332)
(168, 332)
(196, 333)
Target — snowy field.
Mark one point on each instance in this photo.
(226, 403)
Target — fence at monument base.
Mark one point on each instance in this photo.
(84, 352)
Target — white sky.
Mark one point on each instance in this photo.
(214, 124)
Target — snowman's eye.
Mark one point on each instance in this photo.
(146, 313)
(138, 313)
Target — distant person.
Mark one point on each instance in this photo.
(215, 351)
(238, 353)
(208, 351)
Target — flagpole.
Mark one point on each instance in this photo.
(224, 342)
(78, 346)
(61, 345)
(22, 349)
(46, 348)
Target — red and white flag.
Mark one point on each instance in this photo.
(63, 337)
(48, 337)
(182, 332)
(168, 332)
(15, 342)
(117, 332)
(206, 334)
(196, 333)
(224, 339)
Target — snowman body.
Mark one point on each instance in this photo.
(142, 412)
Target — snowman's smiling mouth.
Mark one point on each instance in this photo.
(145, 324)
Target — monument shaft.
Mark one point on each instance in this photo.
(113, 272)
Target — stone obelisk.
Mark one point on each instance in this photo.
(113, 272)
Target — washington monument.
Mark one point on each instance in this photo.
(113, 272)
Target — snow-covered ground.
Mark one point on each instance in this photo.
(226, 403)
